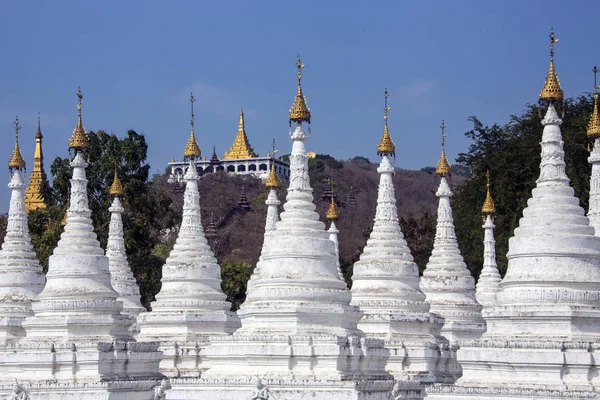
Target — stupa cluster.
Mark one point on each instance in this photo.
(80, 332)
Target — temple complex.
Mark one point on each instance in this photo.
(38, 182)
(385, 286)
(542, 336)
(446, 281)
(240, 159)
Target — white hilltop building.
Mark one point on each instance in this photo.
(386, 288)
(240, 160)
(77, 342)
(446, 281)
(543, 336)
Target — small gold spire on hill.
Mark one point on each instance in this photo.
(386, 145)
(16, 160)
(593, 129)
(191, 151)
(273, 180)
(241, 147)
(443, 166)
(299, 111)
(38, 181)
(333, 213)
(79, 140)
(116, 189)
(552, 90)
(488, 205)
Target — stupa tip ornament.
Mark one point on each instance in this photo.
(191, 151)
(16, 160)
(386, 145)
(116, 189)
(273, 181)
(333, 214)
(488, 205)
(38, 133)
(78, 140)
(443, 166)
(299, 112)
(593, 129)
(552, 91)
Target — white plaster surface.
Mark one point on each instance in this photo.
(488, 284)
(594, 203)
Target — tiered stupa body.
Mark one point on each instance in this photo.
(298, 333)
(488, 284)
(191, 304)
(386, 288)
(593, 132)
(121, 277)
(21, 277)
(543, 338)
(77, 342)
(38, 181)
(446, 281)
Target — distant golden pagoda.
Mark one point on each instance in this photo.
(593, 129)
(552, 91)
(192, 150)
(386, 145)
(241, 146)
(333, 214)
(489, 208)
(38, 181)
(443, 166)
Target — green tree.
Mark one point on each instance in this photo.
(511, 153)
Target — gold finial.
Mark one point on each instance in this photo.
(38, 133)
(241, 146)
(443, 166)
(488, 205)
(79, 140)
(16, 161)
(333, 214)
(593, 129)
(299, 111)
(173, 159)
(386, 145)
(273, 180)
(116, 189)
(552, 90)
(191, 151)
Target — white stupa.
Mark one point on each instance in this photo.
(386, 288)
(542, 338)
(191, 304)
(332, 215)
(593, 132)
(488, 284)
(121, 277)
(298, 337)
(446, 281)
(21, 277)
(77, 343)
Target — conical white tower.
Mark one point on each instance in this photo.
(542, 337)
(488, 283)
(21, 277)
(298, 332)
(386, 288)
(121, 277)
(446, 281)
(593, 132)
(191, 304)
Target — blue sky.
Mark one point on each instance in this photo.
(136, 63)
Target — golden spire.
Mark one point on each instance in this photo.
(488, 205)
(552, 90)
(78, 140)
(333, 213)
(386, 146)
(593, 129)
(116, 189)
(173, 159)
(38, 181)
(299, 111)
(16, 161)
(443, 167)
(273, 180)
(191, 151)
(241, 147)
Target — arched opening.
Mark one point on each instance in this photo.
(220, 168)
(208, 169)
(241, 168)
(230, 168)
(262, 167)
(252, 167)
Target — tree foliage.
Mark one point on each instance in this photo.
(511, 153)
